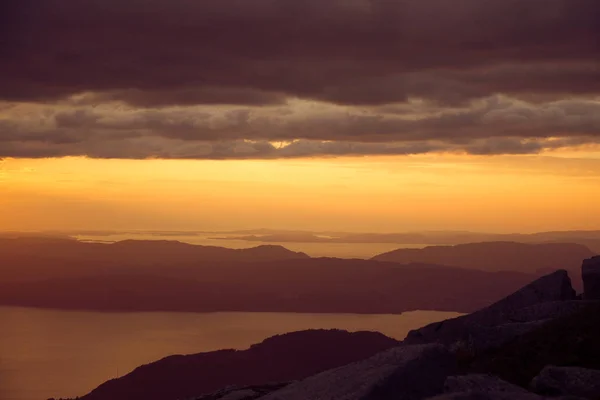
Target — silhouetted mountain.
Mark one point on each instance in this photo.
(499, 256)
(301, 285)
(45, 258)
(167, 275)
(280, 358)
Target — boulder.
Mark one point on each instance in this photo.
(549, 288)
(574, 381)
(479, 383)
(590, 272)
(488, 395)
(401, 373)
(481, 337)
(242, 393)
(548, 310)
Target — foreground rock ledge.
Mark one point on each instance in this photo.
(573, 381)
(517, 307)
(402, 373)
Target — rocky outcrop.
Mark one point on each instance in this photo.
(548, 310)
(409, 372)
(242, 393)
(550, 288)
(488, 395)
(574, 381)
(481, 338)
(590, 272)
(479, 382)
(488, 387)
(570, 340)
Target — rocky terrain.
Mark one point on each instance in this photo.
(538, 343)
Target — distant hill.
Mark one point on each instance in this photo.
(301, 285)
(590, 239)
(280, 358)
(499, 256)
(172, 276)
(32, 258)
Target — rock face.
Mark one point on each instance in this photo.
(590, 271)
(570, 340)
(549, 310)
(550, 288)
(242, 393)
(479, 382)
(401, 373)
(574, 381)
(488, 395)
(485, 337)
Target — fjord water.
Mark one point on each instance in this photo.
(339, 250)
(50, 353)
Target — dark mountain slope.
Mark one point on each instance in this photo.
(43, 258)
(280, 358)
(311, 285)
(499, 256)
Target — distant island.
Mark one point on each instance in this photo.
(172, 276)
(590, 239)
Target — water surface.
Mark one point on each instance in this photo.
(317, 249)
(49, 353)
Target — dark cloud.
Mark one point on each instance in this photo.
(496, 116)
(156, 52)
(221, 79)
(497, 125)
(239, 149)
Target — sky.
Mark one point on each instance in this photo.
(358, 115)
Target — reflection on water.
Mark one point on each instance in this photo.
(45, 353)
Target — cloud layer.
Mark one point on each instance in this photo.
(288, 78)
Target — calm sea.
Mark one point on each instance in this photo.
(340, 250)
(48, 353)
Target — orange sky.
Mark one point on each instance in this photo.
(555, 191)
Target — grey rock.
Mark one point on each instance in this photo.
(481, 338)
(549, 288)
(401, 373)
(590, 272)
(242, 393)
(498, 395)
(548, 310)
(479, 383)
(574, 381)
(488, 395)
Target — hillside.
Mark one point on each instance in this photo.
(302, 285)
(23, 259)
(499, 256)
(277, 359)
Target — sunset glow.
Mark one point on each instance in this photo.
(379, 194)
